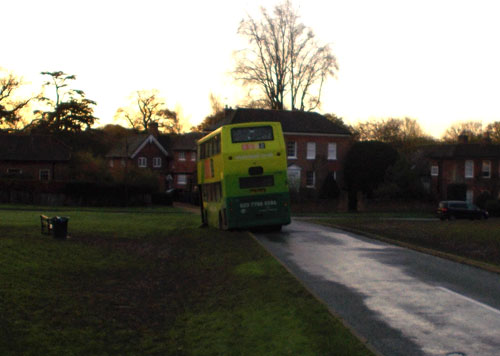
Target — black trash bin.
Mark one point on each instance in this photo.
(60, 227)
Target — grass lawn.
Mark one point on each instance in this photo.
(476, 240)
(150, 282)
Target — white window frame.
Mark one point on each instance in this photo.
(156, 162)
(293, 176)
(311, 150)
(44, 170)
(142, 162)
(434, 170)
(182, 179)
(486, 168)
(469, 169)
(332, 151)
(313, 179)
(193, 156)
(294, 149)
(469, 196)
(181, 156)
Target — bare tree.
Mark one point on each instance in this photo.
(217, 114)
(284, 59)
(11, 106)
(473, 129)
(148, 107)
(492, 132)
(405, 134)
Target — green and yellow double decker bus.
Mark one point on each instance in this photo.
(242, 177)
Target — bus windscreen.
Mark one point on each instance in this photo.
(250, 134)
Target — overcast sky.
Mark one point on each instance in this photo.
(435, 61)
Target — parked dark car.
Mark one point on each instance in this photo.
(456, 209)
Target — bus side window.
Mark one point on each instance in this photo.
(204, 192)
(217, 144)
(212, 192)
(203, 150)
(219, 190)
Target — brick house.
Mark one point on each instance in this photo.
(34, 157)
(141, 151)
(316, 146)
(172, 157)
(465, 170)
(182, 166)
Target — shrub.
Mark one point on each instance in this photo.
(493, 207)
(161, 199)
(483, 198)
(330, 188)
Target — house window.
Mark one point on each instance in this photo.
(434, 171)
(332, 151)
(14, 171)
(291, 149)
(142, 162)
(469, 169)
(181, 179)
(182, 156)
(156, 162)
(193, 156)
(469, 196)
(293, 173)
(486, 171)
(310, 179)
(123, 162)
(111, 163)
(44, 174)
(311, 150)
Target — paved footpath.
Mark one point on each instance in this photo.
(401, 302)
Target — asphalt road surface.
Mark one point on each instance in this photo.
(401, 302)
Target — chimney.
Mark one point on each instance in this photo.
(463, 137)
(153, 129)
(228, 113)
(487, 138)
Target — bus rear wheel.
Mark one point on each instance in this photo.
(222, 225)
(274, 228)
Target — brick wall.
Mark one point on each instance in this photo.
(57, 170)
(321, 165)
(453, 172)
(183, 169)
(149, 152)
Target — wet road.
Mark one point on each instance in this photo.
(401, 301)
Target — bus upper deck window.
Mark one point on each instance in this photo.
(249, 134)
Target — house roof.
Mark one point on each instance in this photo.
(185, 142)
(127, 146)
(291, 121)
(464, 150)
(130, 146)
(32, 148)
